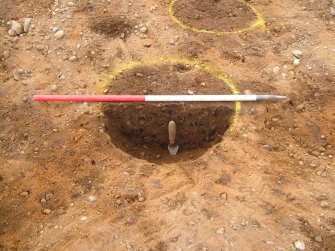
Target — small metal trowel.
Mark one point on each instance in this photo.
(173, 147)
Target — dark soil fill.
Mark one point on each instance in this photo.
(214, 15)
(141, 129)
(111, 26)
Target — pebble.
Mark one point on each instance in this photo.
(300, 107)
(27, 24)
(296, 61)
(62, 77)
(54, 29)
(83, 218)
(332, 11)
(43, 201)
(70, 4)
(24, 194)
(276, 69)
(49, 196)
(73, 58)
(92, 198)
(189, 92)
(17, 28)
(143, 29)
(324, 204)
(300, 245)
(220, 231)
(54, 87)
(203, 84)
(147, 44)
(297, 53)
(269, 242)
(59, 34)
(318, 239)
(40, 47)
(11, 33)
(46, 211)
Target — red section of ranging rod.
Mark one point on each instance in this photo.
(90, 98)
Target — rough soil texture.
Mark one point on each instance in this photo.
(214, 15)
(65, 185)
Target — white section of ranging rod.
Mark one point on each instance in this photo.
(210, 98)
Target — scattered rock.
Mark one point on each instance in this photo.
(300, 245)
(54, 29)
(220, 231)
(189, 92)
(296, 61)
(269, 242)
(276, 69)
(70, 4)
(27, 24)
(24, 194)
(143, 29)
(147, 44)
(300, 107)
(17, 28)
(297, 53)
(73, 58)
(91, 198)
(133, 194)
(203, 84)
(59, 34)
(40, 47)
(49, 196)
(61, 77)
(83, 218)
(46, 211)
(11, 33)
(54, 88)
(324, 204)
(43, 201)
(318, 239)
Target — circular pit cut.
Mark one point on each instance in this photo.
(141, 129)
(215, 16)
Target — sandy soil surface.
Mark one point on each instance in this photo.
(264, 183)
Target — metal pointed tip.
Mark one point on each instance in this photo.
(279, 97)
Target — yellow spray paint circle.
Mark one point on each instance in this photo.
(184, 61)
(257, 23)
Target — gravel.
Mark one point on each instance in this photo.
(59, 34)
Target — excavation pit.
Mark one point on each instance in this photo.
(215, 16)
(141, 129)
(112, 26)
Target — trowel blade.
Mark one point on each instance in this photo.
(173, 149)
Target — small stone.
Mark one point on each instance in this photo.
(220, 231)
(62, 77)
(332, 11)
(203, 84)
(49, 196)
(300, 107)
(296, 61)
(24, 194)
(83, 218)
(269, 242)
(276, 69)
(147, 44)
(324, 204)
(54, 87)
(300, 245)
(297, 53)
(315, 153)
(54, 29)
(141, 199)
(27, 24)
(92, 198)
(143, 29)
(223, 196)
(43, 201)
(17, 27)
(11, 33)
(59, 34)
(189, 92)
(73, 58)
(318, 239)
(70, 4)
(46, 211)
(40, 47)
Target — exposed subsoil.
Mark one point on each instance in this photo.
(214, 15)
(66, 184)
(141, 129)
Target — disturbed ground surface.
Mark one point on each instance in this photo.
(64, 185)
